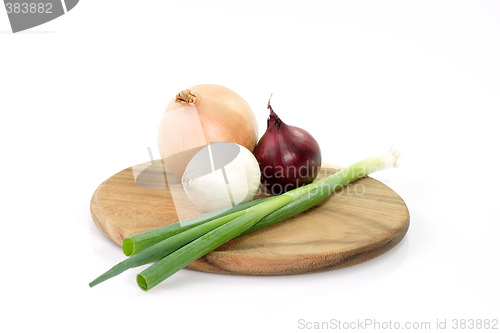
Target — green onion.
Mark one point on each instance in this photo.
(175, 247)
(138, 242)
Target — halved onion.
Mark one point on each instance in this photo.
(221, 175)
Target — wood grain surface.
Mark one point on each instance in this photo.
(363, 220)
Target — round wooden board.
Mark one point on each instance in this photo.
(363, 220)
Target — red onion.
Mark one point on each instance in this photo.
(288, 156)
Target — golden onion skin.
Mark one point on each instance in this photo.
(224, 116)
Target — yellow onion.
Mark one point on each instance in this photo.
(202, 115)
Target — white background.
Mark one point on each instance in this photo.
(81, 98)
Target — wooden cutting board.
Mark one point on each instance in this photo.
(360, 222)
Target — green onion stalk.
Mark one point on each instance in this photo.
(175, 246)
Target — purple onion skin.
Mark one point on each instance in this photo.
(288, 156)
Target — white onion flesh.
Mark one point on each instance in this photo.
(221, 175)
